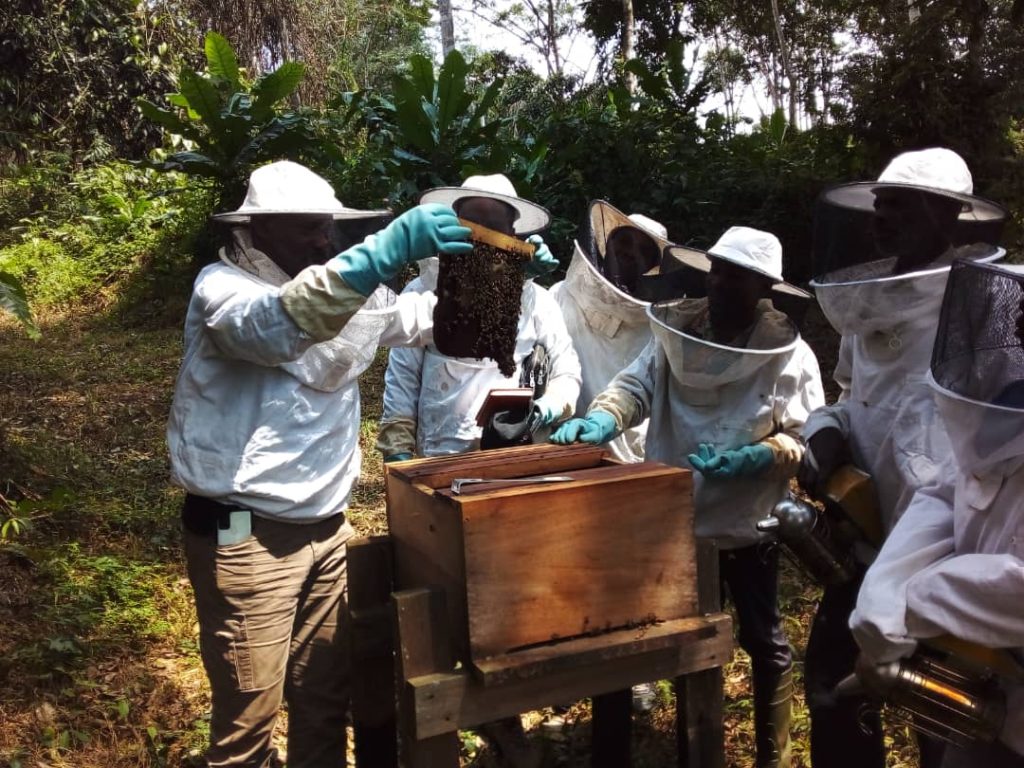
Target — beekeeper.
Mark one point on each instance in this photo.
(954, 563)
(431, 400)
(883, 251)
(264, 438)
(727, 383)
(604, 300)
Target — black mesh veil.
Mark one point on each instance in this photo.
(978, 352)
(349, 232)
(602, 221)
(843, 220)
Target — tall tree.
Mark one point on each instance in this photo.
(444, 9)
(628, 49)
(345, 44)
(547, 27)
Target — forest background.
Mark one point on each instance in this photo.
(124, 125)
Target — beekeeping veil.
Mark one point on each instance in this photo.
(598, 276)
(858, 282)
(977, 366)
(285, 187)
(682, 329)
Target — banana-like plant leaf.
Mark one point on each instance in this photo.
(411, 118)
(777, 126)
(194, 163)
(202, 97)
(166, 119)
(486, 101)
(421, 72)
(274, 86)
(276, 128)
(452, 99)
(13, 299)
(221, 60)
(177, 100)
(409, 157)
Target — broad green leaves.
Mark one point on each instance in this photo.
(440, 128)
(221, 59)
(13, 299)
(232, 125)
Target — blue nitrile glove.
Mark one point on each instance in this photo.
(742, 462)
(420, 232)
(397, 457)
(596, 428)
(542, 262)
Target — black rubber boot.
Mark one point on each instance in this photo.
(773, 709)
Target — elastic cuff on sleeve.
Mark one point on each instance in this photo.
(396, 436)
(787, 451)
(320, 302)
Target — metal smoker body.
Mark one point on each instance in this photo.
(822, 542)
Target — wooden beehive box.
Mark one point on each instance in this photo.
(527, 565)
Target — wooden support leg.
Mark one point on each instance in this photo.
(700, 712)
(612, 720)
(424, 647)
(700, 729)
(373, 663)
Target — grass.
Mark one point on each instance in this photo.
(99, 661)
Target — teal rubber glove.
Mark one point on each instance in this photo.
(397, 457)
(596, 428)
(543, 262)
(747, 461)
(420, 232)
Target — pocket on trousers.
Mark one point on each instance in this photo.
(234, 642)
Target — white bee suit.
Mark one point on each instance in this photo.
(955, 561)
(885, 409)
(696, 391)
(431, 400)
(609, 329)
(263, 416)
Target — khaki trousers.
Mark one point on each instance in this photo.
(272, 625)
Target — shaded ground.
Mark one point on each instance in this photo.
(98, 658)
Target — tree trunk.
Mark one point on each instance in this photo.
(444, 8)
(784, 55)
(553, 37)
(628, 23)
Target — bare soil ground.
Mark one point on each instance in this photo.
(99, 663)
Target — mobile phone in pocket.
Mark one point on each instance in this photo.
(234, 528)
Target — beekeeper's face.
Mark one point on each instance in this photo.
(629, 254)
(293, 241)
(733, 293)
(912, 226)
(487, 212)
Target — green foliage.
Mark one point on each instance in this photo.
(229, 126)
(98, 227)
(13, 299)
(72, 71)
(434, 130)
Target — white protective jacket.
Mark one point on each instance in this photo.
(695, 391)
(885, 408)
(954, 564)
(609, 328)
(263, 416)
(431, 400)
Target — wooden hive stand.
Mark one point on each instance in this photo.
(506, 598)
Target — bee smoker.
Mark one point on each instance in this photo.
(954, 696)
(822, 542)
